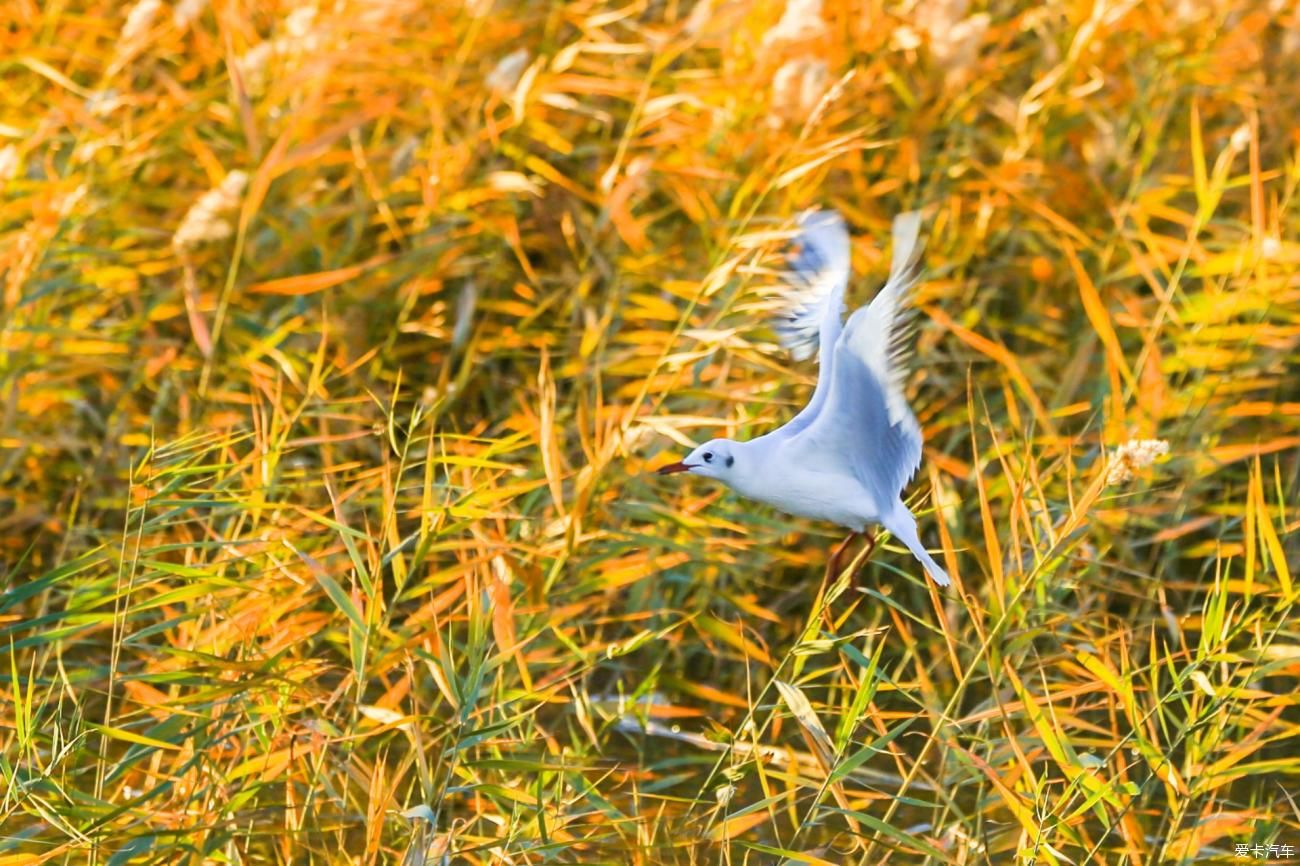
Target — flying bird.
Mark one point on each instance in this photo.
(846, 456)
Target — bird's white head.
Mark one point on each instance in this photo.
(717, 458)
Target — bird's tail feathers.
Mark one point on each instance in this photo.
(902, 525)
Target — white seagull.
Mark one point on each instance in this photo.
(848, 454)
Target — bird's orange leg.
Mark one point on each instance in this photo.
(871, 544)
(833, 565)
(833, 570)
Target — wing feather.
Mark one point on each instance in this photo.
(814, 284)
(883, 335)
(813, 316)
(865, 421)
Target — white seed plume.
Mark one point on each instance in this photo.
(102, 103)
(139, 20)
(797, 87)
(300, 23)
(1133, 455)
(954, 37)
(252, 64)
(186, 12)
(70, 201)
(701, 15)
(1240, 138)
(8, 162)
(297, 36)
(1291, 37)
(505, 75)
(801, 20)
(204, 221)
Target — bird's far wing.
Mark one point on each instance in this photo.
(814, 291)
(815, 283)
(865, 422)
(883, 336)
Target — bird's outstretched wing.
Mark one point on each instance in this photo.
(813, 316)
(865, 423)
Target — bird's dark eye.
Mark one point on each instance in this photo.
(708, 456)
(730, 462)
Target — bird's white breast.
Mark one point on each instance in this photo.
(807, 491)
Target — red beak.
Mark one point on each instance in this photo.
(674, 467)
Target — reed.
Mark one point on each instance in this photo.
(326, 529)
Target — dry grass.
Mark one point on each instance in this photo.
(327, 536)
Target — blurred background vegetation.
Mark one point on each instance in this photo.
(336, 342)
